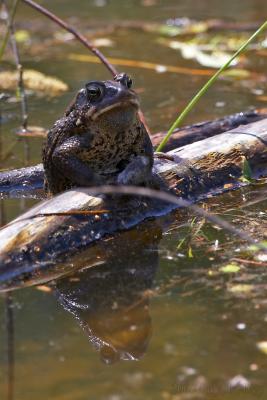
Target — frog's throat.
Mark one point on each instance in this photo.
(94, 114)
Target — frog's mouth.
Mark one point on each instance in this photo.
(93, 113)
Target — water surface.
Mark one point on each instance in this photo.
(159, 319)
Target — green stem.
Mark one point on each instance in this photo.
(6, 37)
(204, 89)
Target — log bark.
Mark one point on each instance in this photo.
(29, 181)
(40, 241)
(203, 130)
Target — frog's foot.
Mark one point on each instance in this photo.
(137, 172)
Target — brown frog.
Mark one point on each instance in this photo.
(99, 140)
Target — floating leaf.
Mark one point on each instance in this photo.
(262, 98)
(238, 73)
(242, 288)
(262, 346)
(191, 51)
(255, 248)
(33, 80)
(230, 269)
(44, 288)
(186, 27)
(102, 42)
(262, 257)
(32, 131)
(22, 36)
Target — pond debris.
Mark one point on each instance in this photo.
(262, 346)
(211, 51)
(34, 81)
(32, 131)
(22, 36)
(254, 263)
(44, 288)
(262, 98)
(230, 268)
(102, 42)
(241, 326)
(142, 64)
(262, 257)
(239, 382)
(241, 288)
(191, 51)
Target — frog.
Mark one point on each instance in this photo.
(99, 140)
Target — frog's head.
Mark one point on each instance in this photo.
(107, 102)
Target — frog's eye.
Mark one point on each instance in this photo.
(129, 82)
(94, 92)
(124, 79)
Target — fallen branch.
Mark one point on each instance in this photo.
(29, 181)
(204, 130)
(44, 243)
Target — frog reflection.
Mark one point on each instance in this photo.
(111, 301)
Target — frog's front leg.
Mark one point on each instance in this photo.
(66, 159)
(137, 172)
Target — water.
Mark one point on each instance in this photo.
(159, 319)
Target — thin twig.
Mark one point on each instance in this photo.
(75, 33)
(21, 88)
(24, 107)
(73, 213)
(81, 38)
(252, 262)
(169, 198)
(10, 21)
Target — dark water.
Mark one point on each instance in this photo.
(160, 319)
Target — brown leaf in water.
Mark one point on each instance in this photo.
(33, 80)
(44, 288)
(262, 98)
(32, 131)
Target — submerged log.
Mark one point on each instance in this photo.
(42, 240)
(29, 181)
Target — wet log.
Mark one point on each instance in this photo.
(203, 130)
(28, 181)
(14, 183)
(44, 238)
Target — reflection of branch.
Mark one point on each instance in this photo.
(8, 309)
(10, 346)
(73, 31)
(178, 201)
